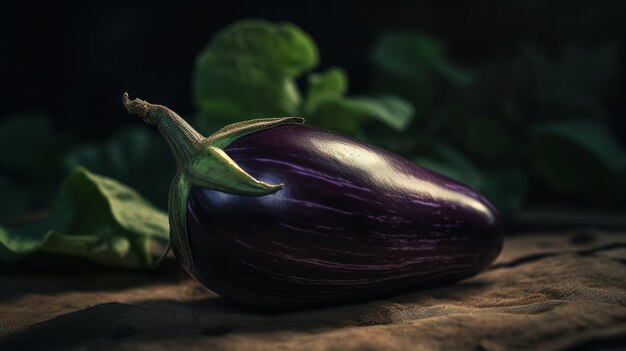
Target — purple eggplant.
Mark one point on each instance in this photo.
(318, 218)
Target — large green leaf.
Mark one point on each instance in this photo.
(93, 217)
(348, 114)
(135, 156)
(248, 70)
(328, 107)
(579, 159)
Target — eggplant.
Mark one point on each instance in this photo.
(274, 214)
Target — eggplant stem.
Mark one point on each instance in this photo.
(168, 248)
(200, 162)
(183, 139)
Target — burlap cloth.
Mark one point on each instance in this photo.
(547, 291)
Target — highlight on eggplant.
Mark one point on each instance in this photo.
(275, 214)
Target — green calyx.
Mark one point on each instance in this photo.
(201, 162)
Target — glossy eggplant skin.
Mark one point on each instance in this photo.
(352, 222)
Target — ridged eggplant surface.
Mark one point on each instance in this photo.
(352, 222)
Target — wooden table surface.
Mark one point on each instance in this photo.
(547, 291)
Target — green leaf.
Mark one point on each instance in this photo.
(248, 70)
(347, 114)
(30, 144)
(332, 82)
(390, 110)
(134, 156)
(93, 217)
(579, 159)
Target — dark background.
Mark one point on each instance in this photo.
(72, 60)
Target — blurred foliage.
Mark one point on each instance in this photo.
(249, 70)
(93, 217)
(42, 149)
(512, 127)
(32, 151)
(422, 64)
(583, 160)
(534, 111)
(135, 155)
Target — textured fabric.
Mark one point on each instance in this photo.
(547, 291)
